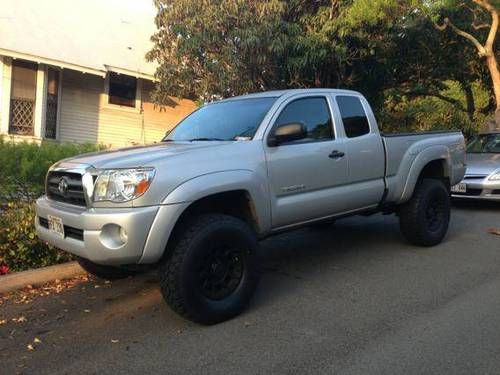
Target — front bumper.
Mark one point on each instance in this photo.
(90, 233)
(479, 188)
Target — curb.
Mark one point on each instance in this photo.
(40, 276)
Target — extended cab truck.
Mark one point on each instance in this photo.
(236, 171)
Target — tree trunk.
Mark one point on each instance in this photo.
(469, 100)
(491, 61)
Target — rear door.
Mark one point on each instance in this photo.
(308, 177)
(365, 150)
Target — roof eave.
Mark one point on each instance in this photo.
(48, 61)
(80, 68)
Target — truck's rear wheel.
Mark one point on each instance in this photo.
(424, 219)
(104, 272)
(211, 273)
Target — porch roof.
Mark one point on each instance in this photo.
(91, 36)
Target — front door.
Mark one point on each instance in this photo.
(307, 175)
(52, 103)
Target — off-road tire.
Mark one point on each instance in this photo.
(424, 219)
(104, 272)
(180, 272)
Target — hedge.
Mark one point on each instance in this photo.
(23, 167)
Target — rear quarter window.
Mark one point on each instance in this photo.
(353, 116)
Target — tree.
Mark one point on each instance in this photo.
(485, 49)
(213, 49)
(219, 48)
(384, 48)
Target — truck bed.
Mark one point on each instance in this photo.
(398, 144)
(402, 149)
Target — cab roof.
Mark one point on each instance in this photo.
(279, 93)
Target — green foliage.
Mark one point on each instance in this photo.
(423, 113)
(204, 55)
(390, 50)
(20, 248)
(23, 167)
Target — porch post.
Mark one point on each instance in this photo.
(40, 102)
(5, 87)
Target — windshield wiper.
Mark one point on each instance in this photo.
(206, 139)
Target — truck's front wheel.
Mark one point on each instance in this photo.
(211, 273)
(425, 217)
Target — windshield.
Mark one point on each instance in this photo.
(223, 121)
(484, 143)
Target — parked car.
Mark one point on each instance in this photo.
(237, 171)
(482, 176)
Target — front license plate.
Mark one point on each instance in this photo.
(459, 188)
(56, 225)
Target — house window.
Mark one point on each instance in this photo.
(22, 99)
(122, 89)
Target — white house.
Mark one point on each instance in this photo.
(73, 70)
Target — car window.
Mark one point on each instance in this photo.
(484, 143)
(353, 116)
(314, 113)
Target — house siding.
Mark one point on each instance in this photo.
(85, 115)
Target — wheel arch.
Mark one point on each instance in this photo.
(433, 162)
(241, 194)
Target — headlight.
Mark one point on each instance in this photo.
(495, 176)
(122, 185)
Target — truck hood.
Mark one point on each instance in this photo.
(139, 156)
(482, 164)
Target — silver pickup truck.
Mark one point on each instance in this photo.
(234, 172)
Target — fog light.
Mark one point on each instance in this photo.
(123, 235)
(113, 236)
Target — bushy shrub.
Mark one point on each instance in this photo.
(23, 167)
(20, 248)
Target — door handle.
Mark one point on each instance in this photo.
(336, 155)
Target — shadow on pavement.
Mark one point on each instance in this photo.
(472, 204)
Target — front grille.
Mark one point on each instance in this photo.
(475, 176)
(73, 194)
(75, 233)
(471, 192)
(495, 192)
(71, 232)
(43, 222)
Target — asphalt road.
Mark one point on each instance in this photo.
(354, 299)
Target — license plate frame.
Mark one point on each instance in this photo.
(460, 188)
(56, 225)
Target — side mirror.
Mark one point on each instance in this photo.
(290, 132)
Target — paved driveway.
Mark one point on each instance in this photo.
(354, 299)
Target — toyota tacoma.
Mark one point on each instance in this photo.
(234, 172)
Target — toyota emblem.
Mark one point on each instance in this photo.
(63, 186)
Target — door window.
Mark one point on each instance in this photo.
(313, 113)
(353, 116)
(52, 101)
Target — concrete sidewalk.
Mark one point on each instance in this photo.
(19, 280)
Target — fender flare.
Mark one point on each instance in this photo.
(178, 201)
(424, 157)
(224, 181)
